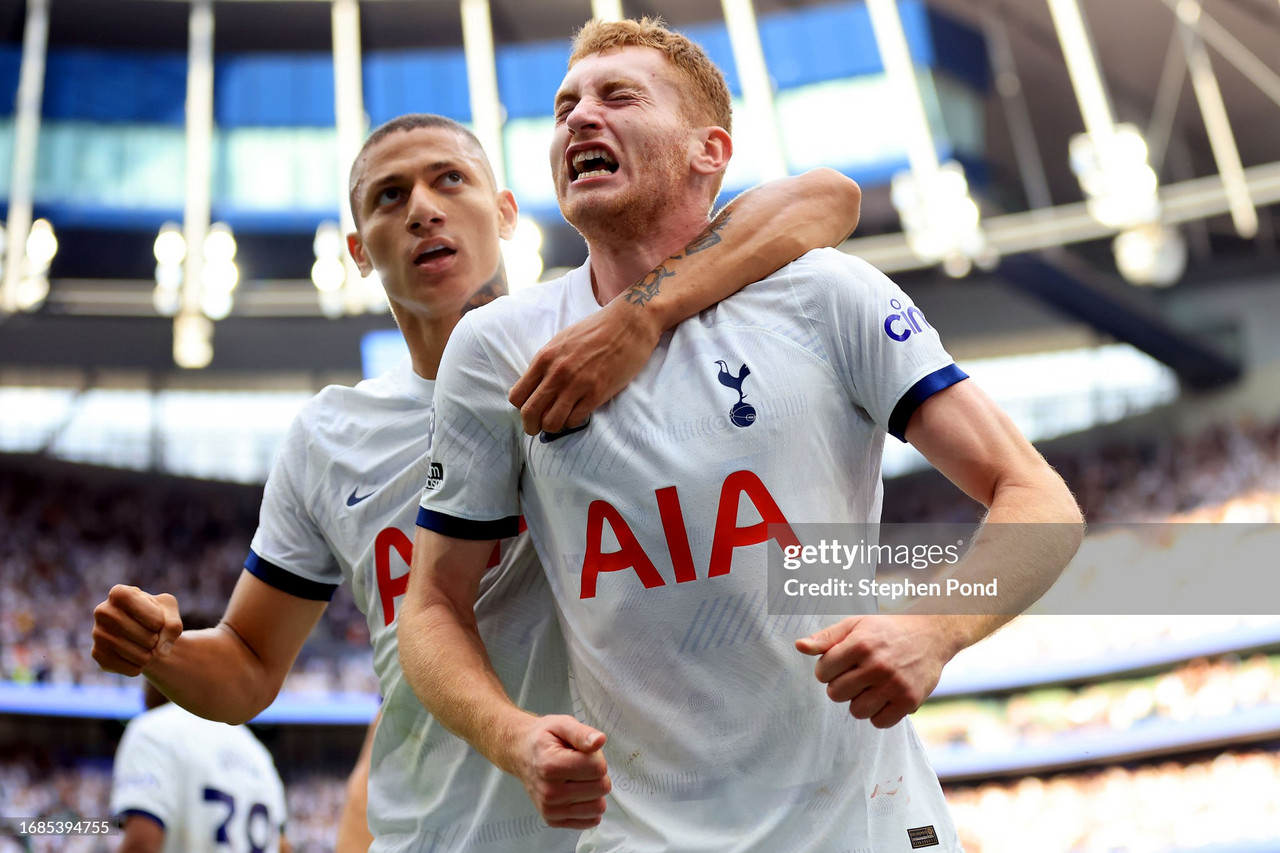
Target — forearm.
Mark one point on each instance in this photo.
(758, 232)
(214, 674)
(353, 825)
(1030, 534)
(445, 662)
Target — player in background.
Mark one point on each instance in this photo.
(184, 784)
(340, 504)
(700, 724)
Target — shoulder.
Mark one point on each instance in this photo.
(832, 265)
(527, 307)
(341, 414)
(163, 726)
(505, 333)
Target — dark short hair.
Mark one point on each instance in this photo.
(399, 124)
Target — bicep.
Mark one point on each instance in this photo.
(142, 834)
(967, 437)
(272, 624)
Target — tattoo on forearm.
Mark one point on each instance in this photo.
(489, 291)
(709, 237)
(647, 288)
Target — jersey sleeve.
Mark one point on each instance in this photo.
(473, 479)
(883, 349)
(143, 778)
(288, 550)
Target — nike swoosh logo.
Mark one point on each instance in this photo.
(548, 437)
(353, 499)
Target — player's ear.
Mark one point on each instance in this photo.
(508, 213)
(712, 148)
(356, 247)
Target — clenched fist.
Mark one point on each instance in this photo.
(884, 665)
(132, 628)
(559, 761)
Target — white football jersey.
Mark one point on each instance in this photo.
(213, 787)
(340, 504)
(652, 520)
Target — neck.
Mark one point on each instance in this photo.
(426, 333)
(621, 260)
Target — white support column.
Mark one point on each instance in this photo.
(482, 79)
(1082, 66)
(892, 41)
(190, 325)
(26, 139)
(349, 121)
(606, 10)
(757, 88)
(941, 221)
(1214, 112)
(1026, 150)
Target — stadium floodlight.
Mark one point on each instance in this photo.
(219, 275)
(1150, 254)
(192, 341)
(941, 220)
(219, 243)
(328, 274)
(42, 245)
(170, 247)
(607, 10)
(328, 241)
(521, 255)
(1120, 187)
(31, 292)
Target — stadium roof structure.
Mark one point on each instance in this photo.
(1160, 61)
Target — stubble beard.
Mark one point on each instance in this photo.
(629, 216)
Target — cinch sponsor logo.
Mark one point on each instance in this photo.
(900, 325)
(434, 475)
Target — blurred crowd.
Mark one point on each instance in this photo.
(1040, 641)
(1198, 690)
(69, 537)
(1155, 478)
(34, 785)
(1155, 808)
(1166, 806)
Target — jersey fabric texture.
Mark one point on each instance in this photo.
(340, 506)
(768, 408)
(213, 787)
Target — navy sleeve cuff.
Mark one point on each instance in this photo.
(924, 389)
(125, 813)
(463, 528)
(286, 581)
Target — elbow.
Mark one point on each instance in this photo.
(843, 200)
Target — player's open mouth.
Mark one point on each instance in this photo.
(434, 253)
(591, 163)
